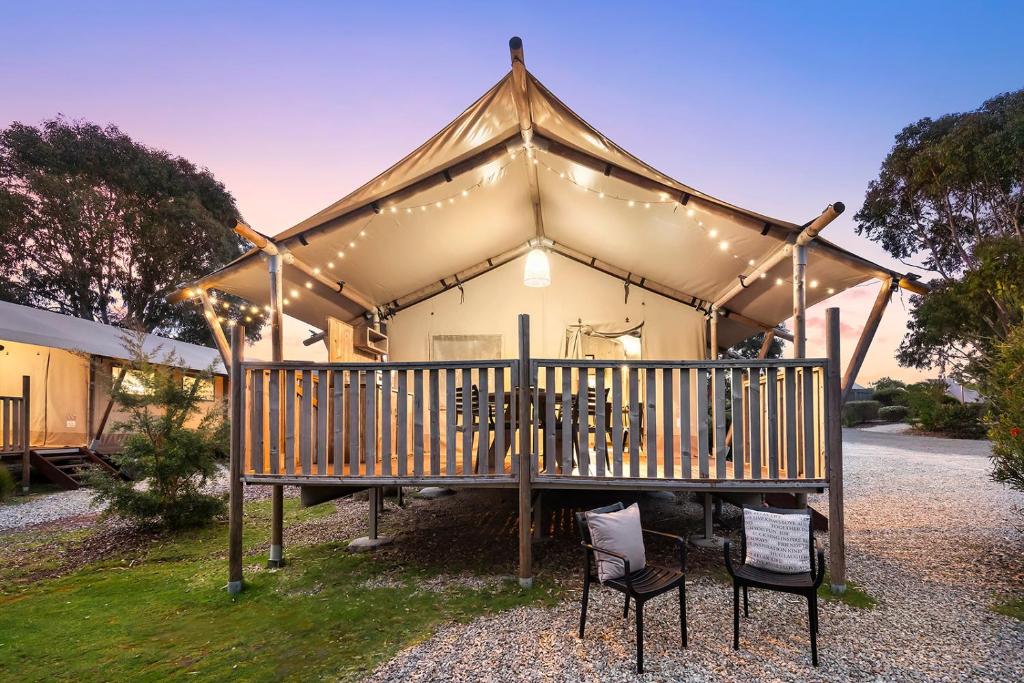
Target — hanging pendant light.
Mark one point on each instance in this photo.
(537, 272)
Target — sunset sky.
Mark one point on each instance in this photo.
(781, 107)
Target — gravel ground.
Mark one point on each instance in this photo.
(929, 536)
(74, 505)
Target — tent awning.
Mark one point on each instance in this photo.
(464, 201)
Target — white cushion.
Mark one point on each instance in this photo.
(777, 542)
(619, 532)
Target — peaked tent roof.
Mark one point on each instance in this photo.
(45, 328)
(461, 204)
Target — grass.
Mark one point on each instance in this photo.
(854, 595)
(169, 617)
(1013, 608)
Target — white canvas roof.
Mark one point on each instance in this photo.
(462, 203)
(45, 328)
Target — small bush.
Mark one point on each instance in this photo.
(172, 462)
(858, 412)
(6, 483)
(891, 396)
(893, 413)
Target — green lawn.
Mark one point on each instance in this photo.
(169, 616)
(1011, 608)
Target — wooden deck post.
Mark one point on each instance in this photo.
(834, 452)
(276, 558)
(885, 291)
(26, 432)
(525, 459)
(235, 463)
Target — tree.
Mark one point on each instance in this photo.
(751, 346)
(950, 193)
(1006, 417)
(96, 225)
(171, 460)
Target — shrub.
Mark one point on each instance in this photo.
(933, 411)
(1006, 417)
(170, 462)
(857, 412)
(6, 483)
(891, 396)
(893, 413)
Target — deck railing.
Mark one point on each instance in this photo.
(622, 423)
(727, 421)
(387, 421)
(13, 431)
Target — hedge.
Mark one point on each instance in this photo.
(857, 412)
(893, 413)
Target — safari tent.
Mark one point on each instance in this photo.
(70, 365)
(520, 302)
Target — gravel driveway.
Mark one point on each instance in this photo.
(929, 536)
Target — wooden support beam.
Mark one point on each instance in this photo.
(521, 99)
(806, 236)
(26, 432)
(213, 322)
(114, 388)
(525, 457)
(885, 291)
(834, 454)
(276, 273)
(799, 301)
(710, 205)
(713, 335)
(235, 496)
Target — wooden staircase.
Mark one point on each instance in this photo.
(67, 467)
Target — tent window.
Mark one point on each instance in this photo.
(465, 346)
(134, 382)
(205, 390)
(604, 341)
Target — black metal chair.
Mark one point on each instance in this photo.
(806, 583)
(641, 585)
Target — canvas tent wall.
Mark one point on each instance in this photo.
(484, 307)
(71, 363)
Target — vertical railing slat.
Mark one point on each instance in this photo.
(754, 410)
(468, 426)
(685, 447)
(259, 464)
(499, 421)
(305, 424)
(322, 413)
(720, 430)
(338, 422)
(370, 422)
(790, 434)
(550, 457)
(668, 419)
(417, 422)
(772, 431)
(483, 409)
(386, 412)
(435, 423)
(737, 423)
(566, 421)
(651, 419)
(289, 421)
(402, 425)
(275, 421)
(703, 389)
(634, 422)
(354, 390)
(600, 422)
(583, 421)
(450, 420)
(616, 417)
